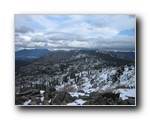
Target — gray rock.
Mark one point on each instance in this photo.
(31, 97)
(93, 102)
(131, 101)
(84, 97)
(110, 101)
(100, 100)
(37, 100)
(87, 103)
(80, 91)
(23, 98)
(94, 94)
(35, 91)
(45, 102)
(26, 92)
(68, 98)
(123, 102)
(94, 86)
(46, 96)
(115, 103)
(111, 95)
(37, 95)
(32, 103)
(49, 93)
(62, 97)
(50, 89)
(74, 98)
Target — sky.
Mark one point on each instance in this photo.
(69, 32)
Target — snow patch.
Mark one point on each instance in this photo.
(125, 93)
(77, 102)
(72, 104)
(49, 100)
(104, 76)
(76, 94)
(42, 99)
(27, 102)
(42, 91)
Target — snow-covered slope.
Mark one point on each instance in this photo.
(79, 73)
(104, 82)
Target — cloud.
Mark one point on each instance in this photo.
(81, 44)
(25, 38)
(61, 36)
(23, 29)
(16, 35)
(75, 31)
(38, 38)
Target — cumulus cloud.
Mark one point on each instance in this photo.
(69, 32)
(39, 38)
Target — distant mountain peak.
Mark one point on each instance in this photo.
(32, 52)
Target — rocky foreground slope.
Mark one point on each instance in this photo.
(77, 78)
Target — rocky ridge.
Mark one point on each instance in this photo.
(76, 78)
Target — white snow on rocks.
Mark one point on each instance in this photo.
(77, 102)
(127, 79)
(125, 93)
(42, 91)
(77, 94)
(27, 102)
(42, 99)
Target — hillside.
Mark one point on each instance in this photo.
(77, 77)
(31, 53)
(24, 57)
(130, 54)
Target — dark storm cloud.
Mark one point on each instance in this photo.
(24, 29)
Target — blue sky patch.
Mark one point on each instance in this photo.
(129, 32)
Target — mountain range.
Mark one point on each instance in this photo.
(25, 56)
(76, 77)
